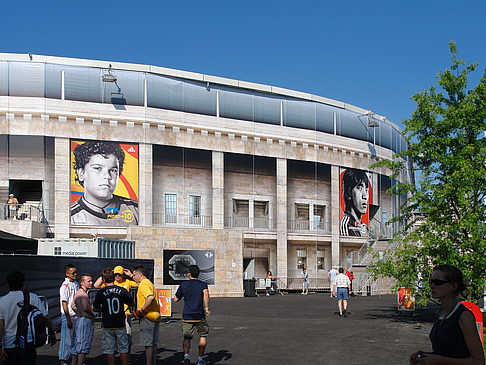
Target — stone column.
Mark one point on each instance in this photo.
(375, 188)
(62, 211)
(311, 217)
(251, 213)
(218, 189)
(145, 178)
(335, 215)
(282, 219)
(46, 196)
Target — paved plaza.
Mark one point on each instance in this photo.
(289, 329)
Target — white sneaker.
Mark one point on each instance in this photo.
(268, 295)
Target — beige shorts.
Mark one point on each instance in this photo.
(188, 329)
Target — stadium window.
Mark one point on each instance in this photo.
(194, 205)
(301, 259)
(170, 208)
(320, 260)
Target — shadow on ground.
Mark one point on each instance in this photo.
(420, 315)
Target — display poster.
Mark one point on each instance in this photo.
(355, 197)
(104, 183)
(45, 274)
(177, 262)
(165, 302)
(406, 300)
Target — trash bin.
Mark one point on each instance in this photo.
(249, 287)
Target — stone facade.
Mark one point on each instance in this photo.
(266, 190)
(227, 246)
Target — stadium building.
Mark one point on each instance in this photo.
(240, 177)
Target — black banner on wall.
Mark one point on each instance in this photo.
(177, 262)
(45, 274)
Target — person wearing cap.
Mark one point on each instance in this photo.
(120, 280)
(13, 206)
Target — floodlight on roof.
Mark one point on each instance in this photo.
(108, 77)
(372, 123)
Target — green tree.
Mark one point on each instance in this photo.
(445, 217)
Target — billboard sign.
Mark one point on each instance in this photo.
(177, 262)
(355, 197)
(406, 300)
(104, 183)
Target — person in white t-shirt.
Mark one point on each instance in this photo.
(10, 306)
(342, 287)
(67, 347)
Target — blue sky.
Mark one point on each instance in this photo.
(372, 54)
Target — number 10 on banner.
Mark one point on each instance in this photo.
(165, 302)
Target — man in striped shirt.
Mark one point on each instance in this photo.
(342, 285)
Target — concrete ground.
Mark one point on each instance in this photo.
(289, 329)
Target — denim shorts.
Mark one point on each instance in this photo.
(342, 293)
(84, 335)
(113, 337)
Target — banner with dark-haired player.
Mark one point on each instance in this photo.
(104, 183)
(356, 194)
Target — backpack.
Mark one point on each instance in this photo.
(31, 326)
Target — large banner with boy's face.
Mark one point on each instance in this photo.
(355, 194)
(104, 183)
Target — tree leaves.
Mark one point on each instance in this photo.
(446, 206)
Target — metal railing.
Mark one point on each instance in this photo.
(306, 225)
(369, 284)
(357, 257)
(25, 212)
(264, 223)
(203, 221)
(315, 284)
(246, 222)
(379, 231)
(237, 222)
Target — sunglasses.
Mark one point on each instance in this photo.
(437, 282)
(118, 275)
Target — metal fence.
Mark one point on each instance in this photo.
(291, 284)
(203, 221)
(306, 225)
(116, 248)
(27, 212)
(246, 222)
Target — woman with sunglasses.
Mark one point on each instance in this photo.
(454, 336)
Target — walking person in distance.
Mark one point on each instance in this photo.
(342, 286)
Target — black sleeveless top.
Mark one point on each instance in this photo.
(446, 335)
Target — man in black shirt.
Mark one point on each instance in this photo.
(110, 301)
